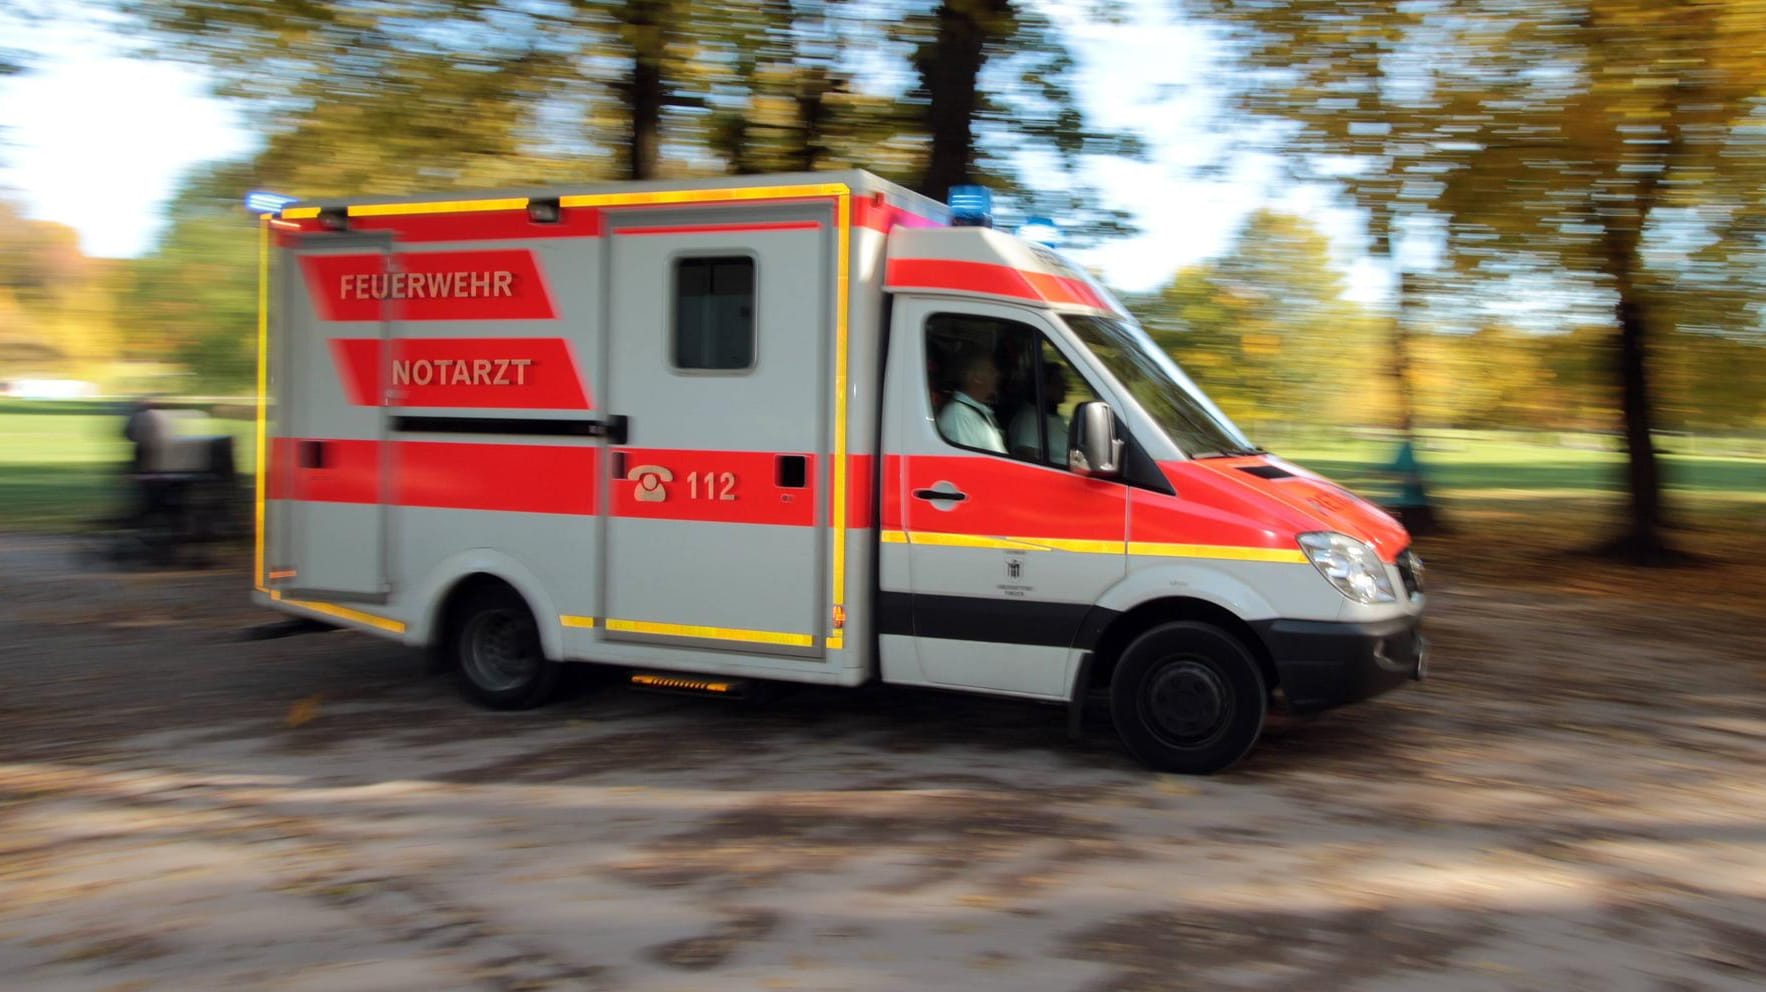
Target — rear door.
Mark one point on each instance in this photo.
(329, 462)
(718, 356)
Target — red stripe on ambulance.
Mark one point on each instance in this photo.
(884, 216)
(522, 478)
(737, 487)
(478, 373)
(995, 280)
(438, 285)
(1066, 506)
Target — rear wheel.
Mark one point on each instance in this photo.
(496, 648)
(1189, 698)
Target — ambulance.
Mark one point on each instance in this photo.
(812, 428)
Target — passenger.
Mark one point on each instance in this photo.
(966, 419)
(1025, 443)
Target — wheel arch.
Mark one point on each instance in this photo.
(1125, 627)
(450, 583)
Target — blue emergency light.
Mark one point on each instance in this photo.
(1041, 231)
(971, 206)
(260, 201)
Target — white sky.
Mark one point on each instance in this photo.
(97, 140)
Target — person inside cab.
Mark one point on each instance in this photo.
(1023, 432)
(966, 418)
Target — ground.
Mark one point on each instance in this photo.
(1573, 801)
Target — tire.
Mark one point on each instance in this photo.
(1188, 698)
(495, 646)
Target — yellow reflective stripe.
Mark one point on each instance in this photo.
(711, 633)
(1148, 548)
(343, 613)
(257, 556)
(300, 213)
(842, 263)
(1220, 551)
(703, 195)
(579, 622)
(1081, 547)
(936, 540)
(444, 207)
(837, 642)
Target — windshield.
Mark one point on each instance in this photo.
(1189, 418)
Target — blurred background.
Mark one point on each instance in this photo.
(1501, 261)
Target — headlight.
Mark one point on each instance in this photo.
(1350, 565)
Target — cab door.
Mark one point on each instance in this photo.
(993, 551)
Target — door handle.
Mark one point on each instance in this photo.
(954, 495)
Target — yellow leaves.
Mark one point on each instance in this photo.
(1262, 345)
(304, 710)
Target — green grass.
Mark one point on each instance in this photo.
(59, 465)
(1488, 468)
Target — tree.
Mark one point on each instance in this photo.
(1554, 135)
(792, 99)
(995, 83)
(1341, 77)
(433, 94)
(192, 301)
(55, 312)
(1265, 330)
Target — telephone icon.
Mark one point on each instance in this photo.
(650, 479)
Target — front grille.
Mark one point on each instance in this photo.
(1410, 570)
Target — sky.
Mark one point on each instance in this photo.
(97, 140)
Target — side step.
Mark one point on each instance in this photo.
(694, 685)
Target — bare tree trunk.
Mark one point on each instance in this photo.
(812, 119)
(1401, 356)
(1416, 509)
(950, 69)
(1643, 543)
(645, 91)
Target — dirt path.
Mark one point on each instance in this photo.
(1575, 801)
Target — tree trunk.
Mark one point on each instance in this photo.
(645, 91)
(950, 69)
(812, 119)
(1415, 507)
(1643, 543)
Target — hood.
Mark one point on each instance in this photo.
(1310, 501)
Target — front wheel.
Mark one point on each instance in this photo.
(1188, 698)
(496, 647)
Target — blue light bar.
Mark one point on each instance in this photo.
(970, 206)
(260, 201)
(1041, 231)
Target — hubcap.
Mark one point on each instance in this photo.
(1187, 703)
(500, 650)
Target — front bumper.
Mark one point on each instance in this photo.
(1320, 664)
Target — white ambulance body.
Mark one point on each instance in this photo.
(794, 428)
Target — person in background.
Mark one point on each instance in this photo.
(145, 430)
(966, 419)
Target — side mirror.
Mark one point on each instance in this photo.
(1094, 450)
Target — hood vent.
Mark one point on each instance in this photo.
(1267, 471)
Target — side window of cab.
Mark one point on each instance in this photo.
(998, 386)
